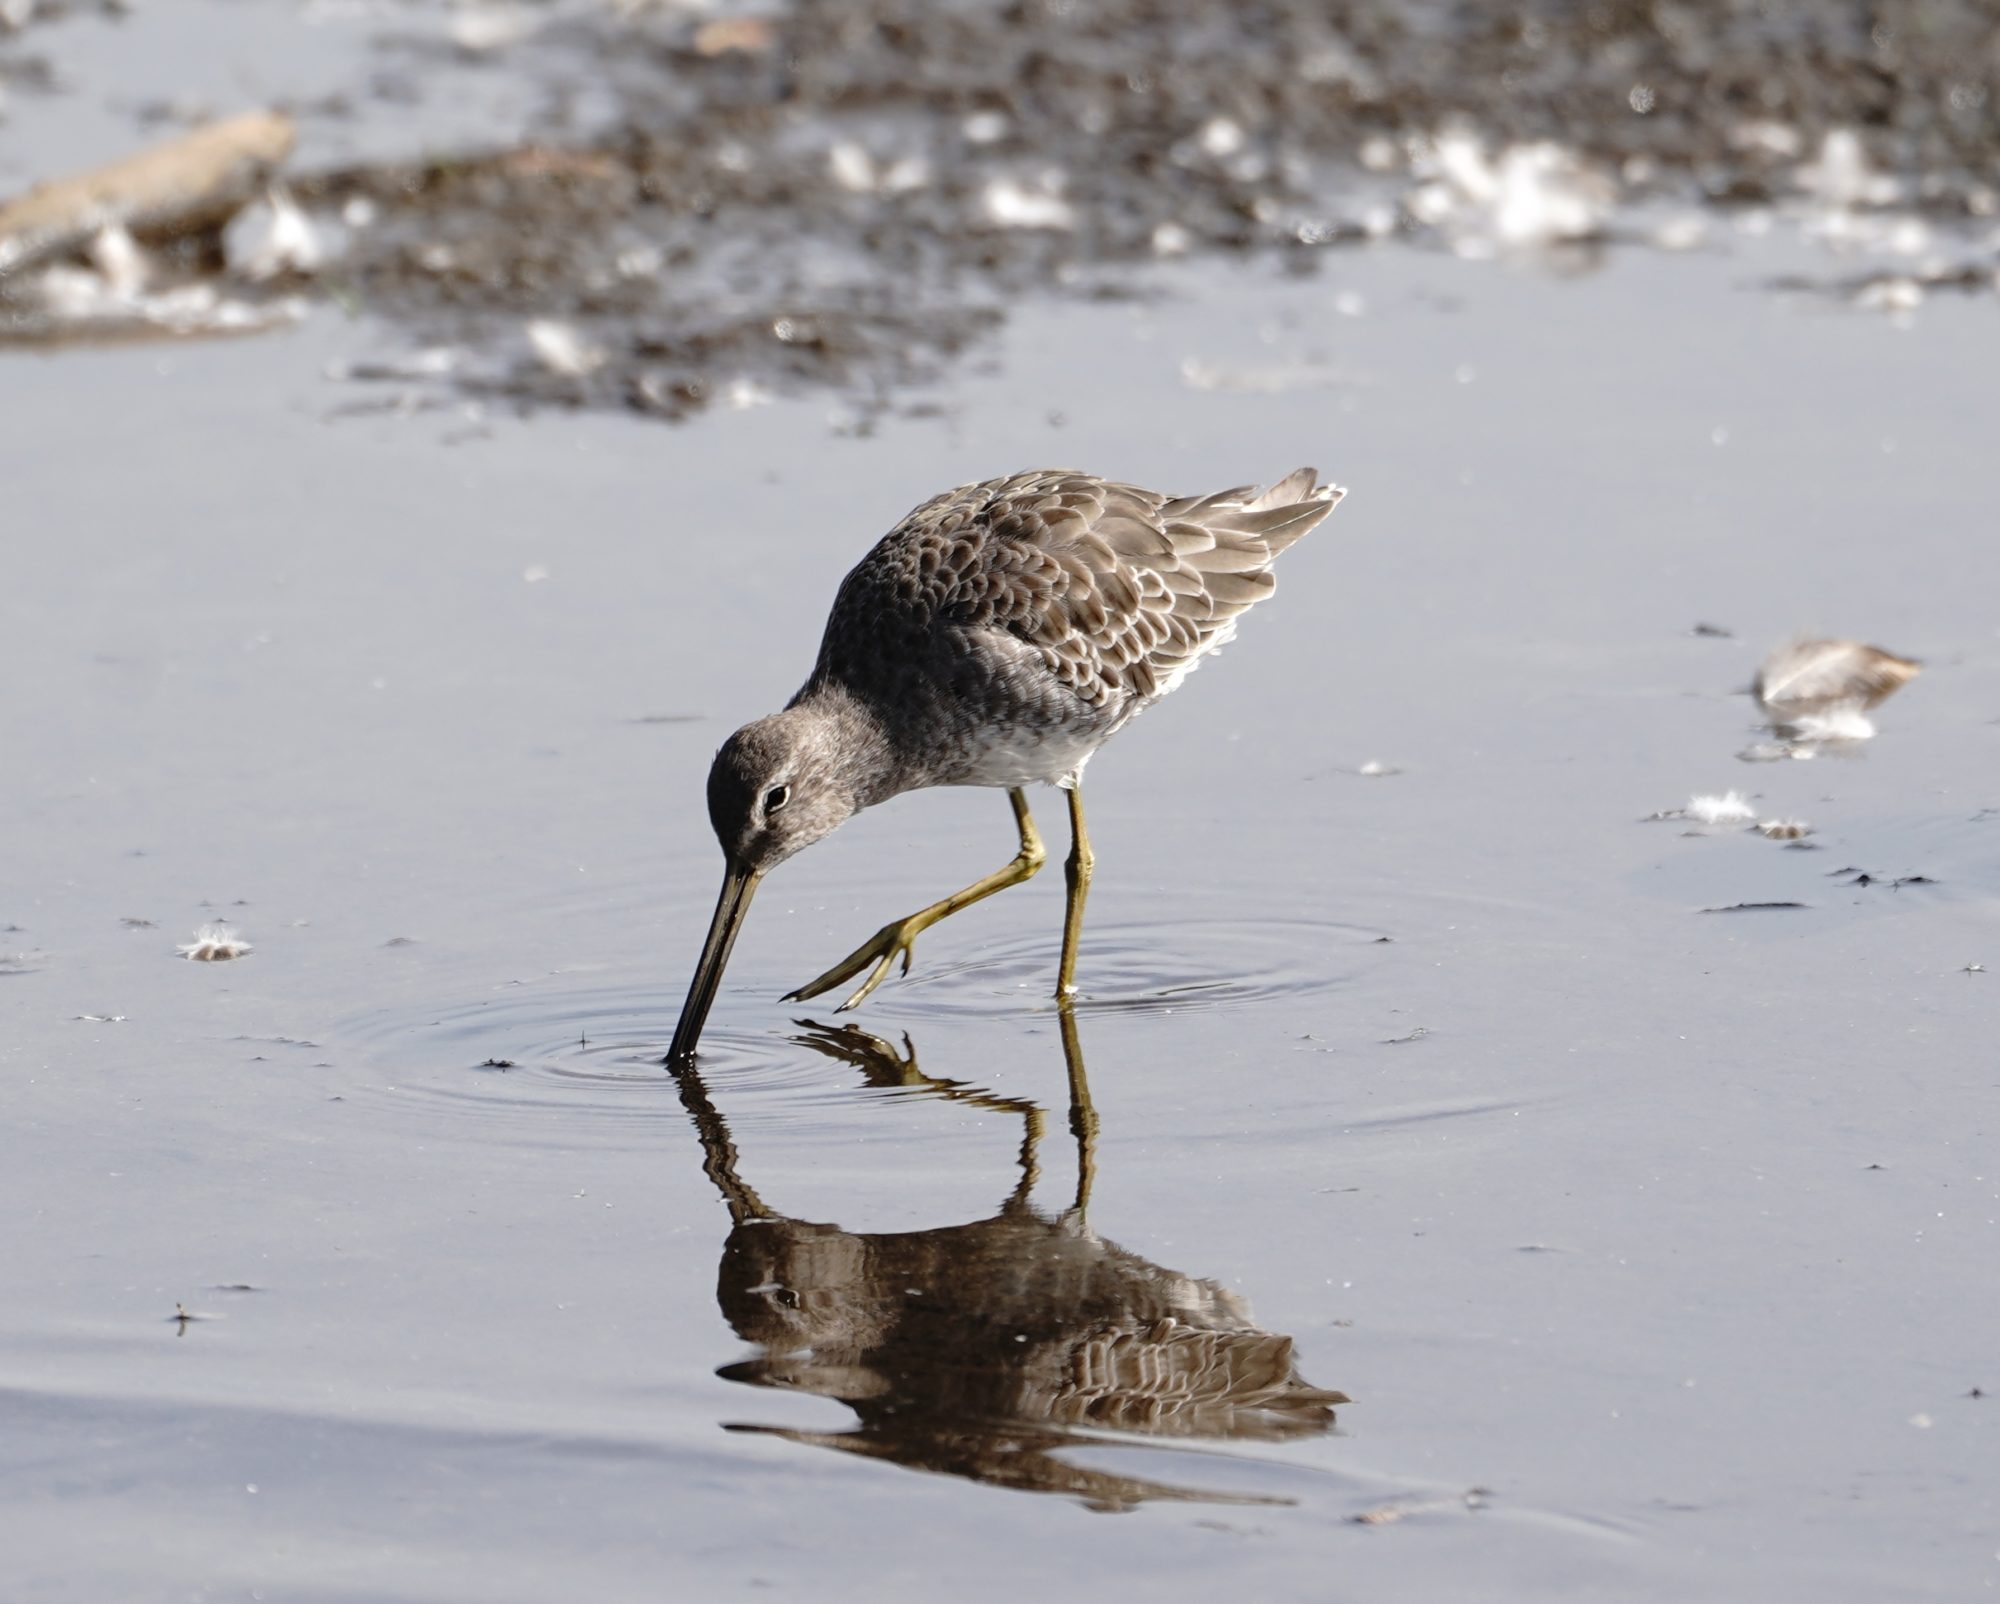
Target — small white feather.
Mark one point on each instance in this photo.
(214, 943)
(1729, 808)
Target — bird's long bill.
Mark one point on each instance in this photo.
(738, 885)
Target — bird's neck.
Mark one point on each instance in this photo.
(857, 744)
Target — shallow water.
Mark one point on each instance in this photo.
(1671, 1234)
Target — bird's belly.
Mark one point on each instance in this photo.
(1024, 756)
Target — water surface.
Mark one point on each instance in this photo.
(1652, 1248)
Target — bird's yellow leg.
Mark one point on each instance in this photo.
(881, 948)
(1076, 872)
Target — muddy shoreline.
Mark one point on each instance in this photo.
(847, 196)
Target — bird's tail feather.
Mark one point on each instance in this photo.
(1278, 516)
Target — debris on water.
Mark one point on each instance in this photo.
(719, 36)
(1416, 1035)
(214, 943)
(1783, 829)
(1815, 693)
(986, 127)
(1862, 877)
(70, 303)
(1029, 201)
(1894, 293)
(1728, 808)
(1776, 751)
(174, 188)
(272, 236)
(1388, 1514)
(1753, 907)
(101, 1019)
(1972, 969)
(1374, 769)
(1836, 724)
(183, 1317)
(563, 351)
(1529, 196)
(1841, 176)
(1685, 232)
(853, 167)
(131, 923)
(1707, 631)
(485, 26)
(1274, 380)
(1823, 676)
(118, 260)
(430, 362)
(498, 1063)
(1859, 877)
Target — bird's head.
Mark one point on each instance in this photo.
(776, 787)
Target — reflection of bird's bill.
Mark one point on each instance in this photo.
(738, 886)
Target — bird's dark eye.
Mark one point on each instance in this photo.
(777, 797)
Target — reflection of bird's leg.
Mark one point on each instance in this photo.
(869, 1053)
(882, 948)
(1031, 1169)
(884, 1066)
(718, 1150)
(1076, 875)
(1082, 1113)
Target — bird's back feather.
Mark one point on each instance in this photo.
(1054, 601)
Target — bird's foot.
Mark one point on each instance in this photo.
(880, 950)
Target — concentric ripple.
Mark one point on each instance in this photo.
(555, 1066)
(1137, 968)
(570, 1061)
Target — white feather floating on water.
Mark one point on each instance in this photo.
(1728, 808)
(214, 943)
(1815, 694)
(1822, 676)
(272, 236)
(1843, 723)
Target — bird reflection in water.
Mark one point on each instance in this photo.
(983, 1350)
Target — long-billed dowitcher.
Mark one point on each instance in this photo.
(998, 635)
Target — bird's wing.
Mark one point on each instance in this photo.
(1117, 591)
(1120, 590)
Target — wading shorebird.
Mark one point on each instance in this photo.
(998, 636)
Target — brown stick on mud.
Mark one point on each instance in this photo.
(192, 182)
